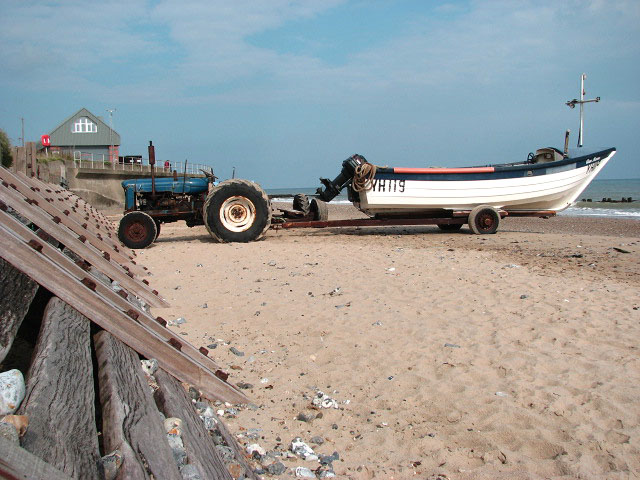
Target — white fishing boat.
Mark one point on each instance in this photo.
(547, 182)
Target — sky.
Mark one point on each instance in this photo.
(285, 90)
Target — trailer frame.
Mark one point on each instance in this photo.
(457, 217)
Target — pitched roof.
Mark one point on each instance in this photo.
(63, 135)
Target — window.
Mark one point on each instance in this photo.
(84, 125)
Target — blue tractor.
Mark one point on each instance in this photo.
(233, 211)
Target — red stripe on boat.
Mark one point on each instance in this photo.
(444, 170)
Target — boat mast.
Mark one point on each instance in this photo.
(582, 101)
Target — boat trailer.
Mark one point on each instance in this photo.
(481, 220)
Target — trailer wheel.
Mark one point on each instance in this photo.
(450, 227)
(301, 203)
(157, 222)
(137, 230)
(484, 219)
(237, 211)
(320, 210)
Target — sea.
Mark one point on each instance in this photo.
(590, 203)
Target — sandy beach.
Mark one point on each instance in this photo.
(448, 355)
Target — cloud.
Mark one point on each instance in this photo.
(66, 44)
(199, 52)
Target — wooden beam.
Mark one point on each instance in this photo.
(14, 155)
(16, 201)
(130, 421)
(18, 464)
(16, 293)
(60, 401)
(83, 298)
(96, 222)
(68, 203)
(32, 164)
(27, 189)
(117, 301)
(66, 199)
(20, 159)
(173, 401)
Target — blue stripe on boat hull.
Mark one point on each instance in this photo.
(501, 172)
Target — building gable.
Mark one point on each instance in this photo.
(83, 128)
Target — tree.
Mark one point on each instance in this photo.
(5, 149)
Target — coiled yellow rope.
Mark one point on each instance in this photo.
(363, 177)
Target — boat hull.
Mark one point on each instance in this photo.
(549, 186)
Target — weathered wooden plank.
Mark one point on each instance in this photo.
(173, 401)
(62, 211)
(26, 188)
(107, 293)
(20, 159)
(130, 419)
(65, 200)
(14, 156)
(60, 394)
(32, 165)
(19, 464)
(16, 201)
(101, 232)
(86, 301)
(16, 293)
(94, 219)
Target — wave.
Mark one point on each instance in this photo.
(601, 212)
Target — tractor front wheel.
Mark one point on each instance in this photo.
(137, 230)
(237, 211)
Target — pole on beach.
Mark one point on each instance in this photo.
(581, 102)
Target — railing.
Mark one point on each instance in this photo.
(136, 164)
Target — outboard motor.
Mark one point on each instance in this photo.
(333, 188)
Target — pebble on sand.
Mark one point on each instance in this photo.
(12, 391)
(237, 352)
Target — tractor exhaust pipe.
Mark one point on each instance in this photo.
(152, 162)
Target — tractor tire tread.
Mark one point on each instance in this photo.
(229, 184)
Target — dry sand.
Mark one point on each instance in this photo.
(509, 356)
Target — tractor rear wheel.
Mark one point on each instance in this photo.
(137, 230)
(237, 211)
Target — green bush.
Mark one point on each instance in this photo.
(5, 149)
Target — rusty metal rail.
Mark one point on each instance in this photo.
(457, 218)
